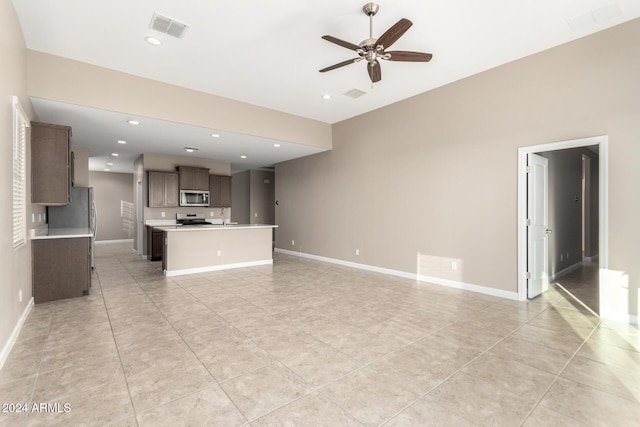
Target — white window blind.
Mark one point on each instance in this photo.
(20, 125)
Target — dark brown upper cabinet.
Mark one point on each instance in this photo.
(220, 191)
(51, 166)
(163, 189)
(192, 178)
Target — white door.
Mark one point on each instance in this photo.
(538, 226)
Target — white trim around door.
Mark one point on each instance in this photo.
(602, 143)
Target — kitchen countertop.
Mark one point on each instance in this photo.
(44, 232)
(211, 227)
(159, 222)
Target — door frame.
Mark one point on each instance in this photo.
(603, 208)
(139, 219)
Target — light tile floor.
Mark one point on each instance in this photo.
(583, 284)
(309, 343)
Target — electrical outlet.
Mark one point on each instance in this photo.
(567, 257)
(33, 217)
(19, 295)
(219, 252)
(454, 265)
(255, 215)
(561, 257)
(39, 217)
(211, 213)
(357, 251)
(293, 243)
(163, 214)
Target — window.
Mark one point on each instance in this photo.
(20, 125)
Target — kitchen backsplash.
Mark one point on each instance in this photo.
(170, 213)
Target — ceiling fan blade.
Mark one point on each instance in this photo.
(402, 55)
(341, 42)
(341, 64)
(394, 33)
(375, 73)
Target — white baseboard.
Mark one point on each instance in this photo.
(113, 242)
(172, 273)
(567, 270)
(428, 279)
(621, 317)
(8, 346)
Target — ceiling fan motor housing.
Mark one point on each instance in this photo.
(370, 9)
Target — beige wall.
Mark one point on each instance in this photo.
(80, 166)
(66, 80)
(253, 198)
(110, 190)
(14, 264)
(262, 197)
(240, 194)
(435, 176)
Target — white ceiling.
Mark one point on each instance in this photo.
(269, 54)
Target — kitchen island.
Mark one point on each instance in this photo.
(203, 248)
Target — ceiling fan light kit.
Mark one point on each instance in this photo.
(372, 49)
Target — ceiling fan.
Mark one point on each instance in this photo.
(372, 49)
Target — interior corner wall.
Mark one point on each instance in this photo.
(15, 264)
(113, 194)
(80, 166)
(434, 178)
(240, 191)
(262, 197)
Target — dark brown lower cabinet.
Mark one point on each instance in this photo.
(61, 268)
(154, 244)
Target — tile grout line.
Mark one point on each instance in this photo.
(191, 349)
(115, 342)
(484, 352)
(555, 380)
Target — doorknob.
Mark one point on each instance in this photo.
(548, 231)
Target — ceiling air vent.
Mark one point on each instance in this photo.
(355, 93)
(167, 25)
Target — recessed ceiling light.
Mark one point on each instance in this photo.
(243, 157)
(152, 40)
(326, 96)
(276, 145)
(215, 135)
(114, 154)
(110, 164)
(106, 169)
(133, 122)
(122, 141)
(191, 149)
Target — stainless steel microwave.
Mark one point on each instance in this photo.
(194, 198)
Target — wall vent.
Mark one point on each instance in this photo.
(355, 93)
(167, 25)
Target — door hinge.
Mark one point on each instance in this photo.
(527, 169)
(528, 275)
(527, 222)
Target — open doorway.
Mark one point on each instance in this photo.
(577, 221)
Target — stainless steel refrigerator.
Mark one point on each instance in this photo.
(79, 213)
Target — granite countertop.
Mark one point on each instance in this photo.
(44, 232)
